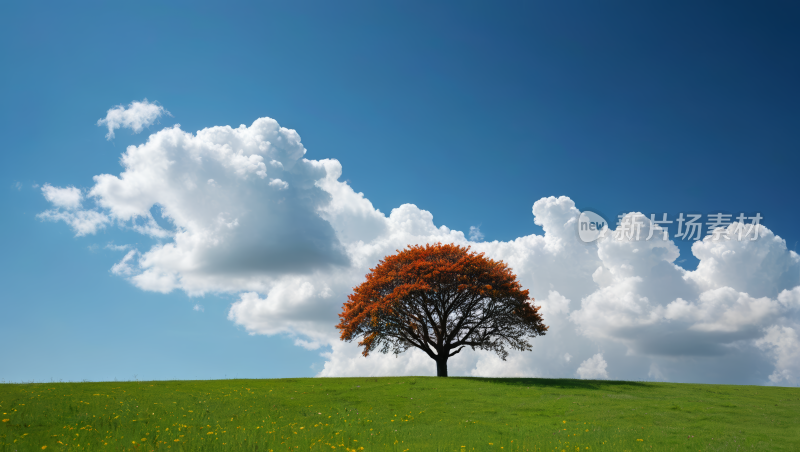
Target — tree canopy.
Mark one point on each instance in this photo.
(440, 299)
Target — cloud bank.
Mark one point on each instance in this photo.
(248, 214)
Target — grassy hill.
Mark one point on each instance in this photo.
(399, 414)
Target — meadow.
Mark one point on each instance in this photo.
(397, 414)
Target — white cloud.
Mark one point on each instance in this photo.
(67, 198)
(593, 368)
(760, 268)
(475, 234)
(124, 267)
(656, 308)
(198, 308)
(111, 246)
(279, 184)
(235, 234)
(554, 304)
(308, 345)
(724, 310)
(136, 117)
(783, 344)
(67, 202)
(345, 360)
(244, 212)
(18, 186)
(83, 222)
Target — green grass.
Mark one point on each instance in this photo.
(398, 414)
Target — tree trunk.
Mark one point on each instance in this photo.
(441, 367)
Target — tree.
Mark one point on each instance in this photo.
(440, 299)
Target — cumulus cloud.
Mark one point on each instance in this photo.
(198, 308)
(655, 307)
(783, 344)
(593, 368)
(279, 184)
(242, 211)
(760, 268)
(82, 222)
(475, 234)
(68, 198)
(67, 202)
(136, 117)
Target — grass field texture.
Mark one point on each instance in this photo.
(397, 414)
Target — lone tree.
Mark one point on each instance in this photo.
(440, 299)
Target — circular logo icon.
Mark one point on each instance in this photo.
(591, 226)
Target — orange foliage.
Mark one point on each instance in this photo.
(440, 299)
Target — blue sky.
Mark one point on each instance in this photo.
(470, 111)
